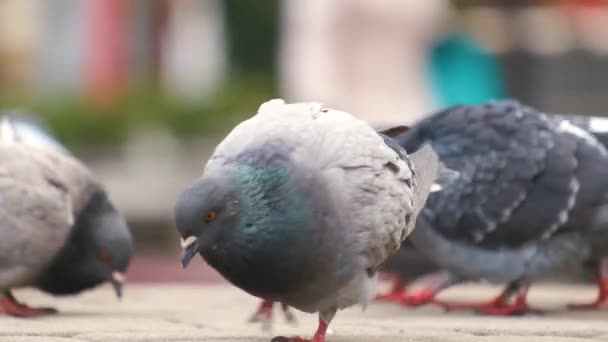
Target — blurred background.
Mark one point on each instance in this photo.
(142, 90)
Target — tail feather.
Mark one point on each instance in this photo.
(432, 175)
(16, 127)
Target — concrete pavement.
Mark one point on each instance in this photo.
(152, 312)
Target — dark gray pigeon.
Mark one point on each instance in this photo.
(409, 265)
(301, 204)
(530, 202)
(60, 232)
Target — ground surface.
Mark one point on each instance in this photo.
(219, 313)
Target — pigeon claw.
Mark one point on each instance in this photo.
(392, 297)
(423, 297)
(10, 306)
(397, 294)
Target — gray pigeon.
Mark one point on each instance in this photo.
(409, 265)
(530, 202)
(59, 232)
(301, 204)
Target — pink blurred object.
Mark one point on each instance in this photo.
(106, 50)
(167, 269)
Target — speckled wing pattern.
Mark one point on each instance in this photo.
(369, 183)
(518, 173)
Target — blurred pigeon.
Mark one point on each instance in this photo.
(409, 265)
(530, 201)
(301, 204)
(59, 232)
(264, 314)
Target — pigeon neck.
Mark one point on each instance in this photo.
(273, 234)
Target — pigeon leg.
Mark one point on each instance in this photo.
(325, 318)
(289, 316)
(499, 302)
(519, 307)
(602, 285)
(10, 306)
(263, 314)
(397, 293)
(427, 295)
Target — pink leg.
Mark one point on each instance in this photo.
(263, 314)
(498, 306)
(602, 284)
(518, 307)
(10, 306)
(324, 320)
(427, 295)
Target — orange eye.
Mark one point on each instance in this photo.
(105, 256)
(210, 216)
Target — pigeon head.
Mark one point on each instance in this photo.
(205, 212)
(253, 219)
(99, 250)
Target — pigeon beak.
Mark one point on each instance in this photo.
(189, 250)
(117, 280)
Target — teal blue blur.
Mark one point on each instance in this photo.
(461, 72)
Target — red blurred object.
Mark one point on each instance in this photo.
(106, 50)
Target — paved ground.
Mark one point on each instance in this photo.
(219, 313)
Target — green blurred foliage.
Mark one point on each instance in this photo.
(252, 31)
(77, 123)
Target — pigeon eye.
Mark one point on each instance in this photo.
(105, 256)
(210, 216)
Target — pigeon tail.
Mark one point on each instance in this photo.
(17, 127)
(431, 174)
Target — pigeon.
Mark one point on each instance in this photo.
(60, 233)
(409, 265)
(301, 204)
(530, 202)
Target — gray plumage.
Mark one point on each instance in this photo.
(309, 201)
(409, 264)
(56, 219)
(530, 200)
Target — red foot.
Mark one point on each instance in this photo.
(602, 286)
(495, 307)
(397, 294)
(10, 306)
(426, 296)
(498, 306)
(393, 297)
